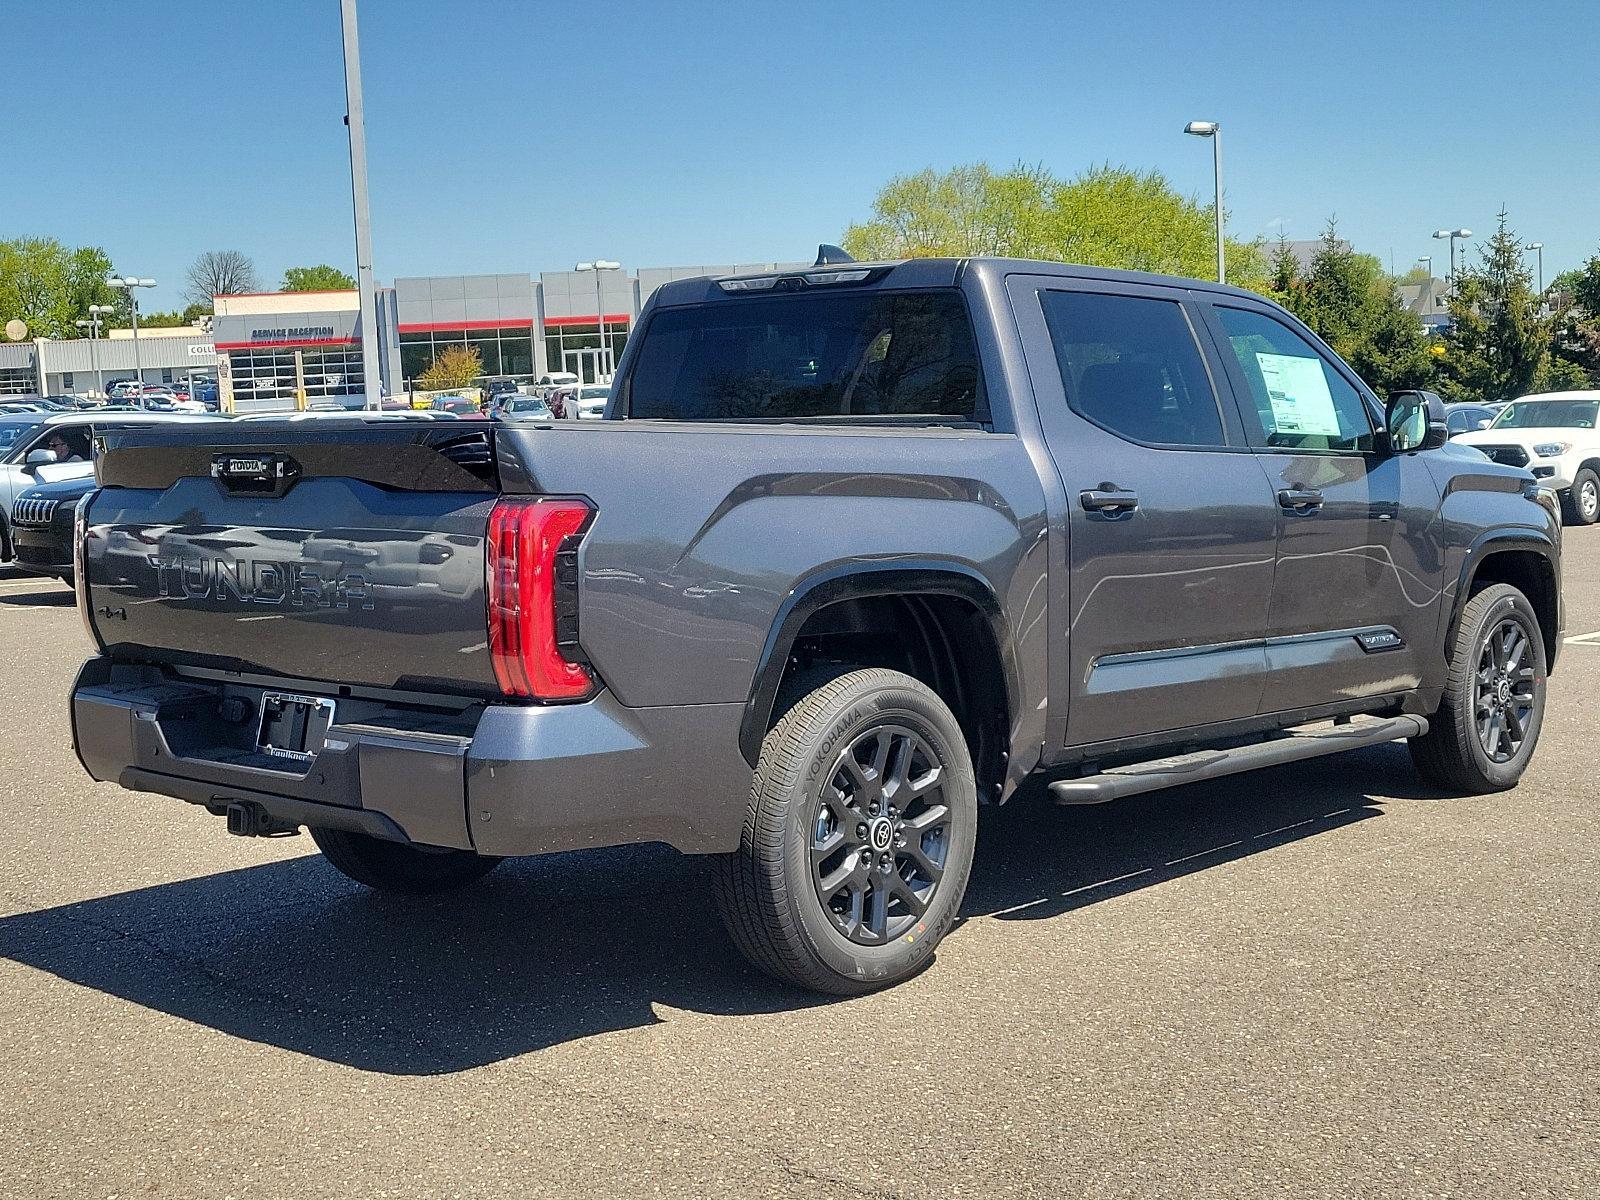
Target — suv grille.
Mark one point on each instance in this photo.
(1510, 456)
(33, 511)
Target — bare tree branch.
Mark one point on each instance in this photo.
(220, 273)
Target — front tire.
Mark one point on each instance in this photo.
(858, 839)
(1483, 735)
(1582, 501)
(397, 867)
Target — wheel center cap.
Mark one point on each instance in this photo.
(881, 833)
(1502, 691)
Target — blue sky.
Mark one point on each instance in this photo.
(515, 135)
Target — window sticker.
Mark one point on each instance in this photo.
(1298, 392)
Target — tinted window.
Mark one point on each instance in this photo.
(1130, 365)
(1297, 399)
(1557, 414)
(847, 354)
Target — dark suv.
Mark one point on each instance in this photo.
(857, 548)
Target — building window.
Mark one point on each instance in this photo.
(264, 380)
(66, 381)
(16, 381)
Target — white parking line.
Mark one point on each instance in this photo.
(1583, 639)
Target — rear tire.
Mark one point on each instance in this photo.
(1484, 732)
(858, 839)
(1581, 504)
(397, 867)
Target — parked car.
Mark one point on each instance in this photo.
(553, 379)
(1464, 418)
(29, 451)
(456, 405)
(521, 408)
(803, 612)
(1554, 435)
(590, 402)
(563, 400)
(492, 388)
(41, 525)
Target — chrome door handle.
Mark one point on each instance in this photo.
(1112, 501)
(1300, 501)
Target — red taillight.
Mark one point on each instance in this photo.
(525, 590)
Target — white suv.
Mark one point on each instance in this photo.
(1554, 435)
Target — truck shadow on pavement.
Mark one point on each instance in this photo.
(550, 950)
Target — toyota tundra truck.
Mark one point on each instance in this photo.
(857, 548)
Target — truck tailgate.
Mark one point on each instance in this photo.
(352, 554)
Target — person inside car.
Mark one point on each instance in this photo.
(63, 450)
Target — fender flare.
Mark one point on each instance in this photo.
(858, 580)
(1485, 545)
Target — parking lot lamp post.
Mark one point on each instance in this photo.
(1538, 249)
(598, 266)
(127, 283)
(93, 326)
(1213, 130)
(1452, 234)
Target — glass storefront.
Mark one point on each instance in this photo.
(265, 379)
(504, 351)
(577, 348)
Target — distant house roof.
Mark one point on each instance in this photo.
(1305, 251)
(1426, 299)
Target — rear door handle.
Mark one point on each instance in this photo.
(1301, 501)
(1113, 501)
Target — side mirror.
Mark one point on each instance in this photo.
(1416, 421)
(39, 458)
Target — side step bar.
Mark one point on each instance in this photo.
(1159, 773)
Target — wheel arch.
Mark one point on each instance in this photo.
(927, 600)
(1527, 562)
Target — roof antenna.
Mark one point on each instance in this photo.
(828, 255)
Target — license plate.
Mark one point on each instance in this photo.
(293, 727)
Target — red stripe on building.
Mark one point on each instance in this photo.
(611, 319)
(350, 341)
(455, 326)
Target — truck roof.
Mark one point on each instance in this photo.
(939, 272)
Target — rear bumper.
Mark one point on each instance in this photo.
(499, 779)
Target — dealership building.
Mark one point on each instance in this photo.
(286, 349)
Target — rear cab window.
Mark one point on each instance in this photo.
(866, 356)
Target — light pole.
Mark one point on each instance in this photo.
(1538, 249)
(1452, 234)
(93, 326)
(599, 266)
(128, 283)
(1213, 130)
(356, 122)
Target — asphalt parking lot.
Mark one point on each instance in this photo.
(1322, 980)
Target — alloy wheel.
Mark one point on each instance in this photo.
(1589, 499)
(880, 835)
(1503, 691)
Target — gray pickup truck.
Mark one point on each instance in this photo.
(857, 548)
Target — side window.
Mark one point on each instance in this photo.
(1130, 365)
(1298, 400)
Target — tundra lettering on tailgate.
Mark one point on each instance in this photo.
(260, 581)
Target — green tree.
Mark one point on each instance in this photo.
(162, 320)
(1354, 306)
(320, 278)
(1498, 345)
(1108, 216)
(49, 286)
(452, 367)
(1575, 342)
